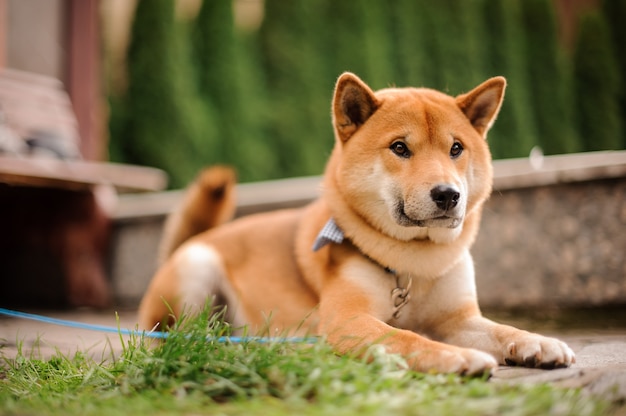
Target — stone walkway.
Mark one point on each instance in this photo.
(600, 367)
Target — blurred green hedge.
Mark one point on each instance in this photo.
(205, 92)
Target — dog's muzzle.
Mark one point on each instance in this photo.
(443, 210)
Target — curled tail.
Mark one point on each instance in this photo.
(208, 202)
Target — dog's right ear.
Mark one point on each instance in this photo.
(482, 104)
(353, 103)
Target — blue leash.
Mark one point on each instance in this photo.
(151, 334)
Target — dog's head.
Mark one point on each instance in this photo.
(413, 162)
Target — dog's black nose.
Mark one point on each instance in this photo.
(445, 196)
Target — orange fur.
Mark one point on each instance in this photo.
(406, 181)
(208, 202)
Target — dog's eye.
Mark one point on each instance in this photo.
(456, 150)
(400, 149)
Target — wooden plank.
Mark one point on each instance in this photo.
(78, 175)
(32, 102)
(84, 78)
(3, 33)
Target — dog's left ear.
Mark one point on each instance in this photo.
(482, 104)
(353, 103)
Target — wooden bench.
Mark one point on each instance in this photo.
(54, 206)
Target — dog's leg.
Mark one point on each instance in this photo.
(458, 321)
(193, 276)
(352, 321)
(507, 344)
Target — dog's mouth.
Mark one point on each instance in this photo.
(445, 220)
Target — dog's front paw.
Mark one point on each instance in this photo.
(536, 351)
(463, 361)
(471, 362)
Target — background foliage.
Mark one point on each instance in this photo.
(205, 91)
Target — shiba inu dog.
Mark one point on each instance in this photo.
(382, 257)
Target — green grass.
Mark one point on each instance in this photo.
(191, 375)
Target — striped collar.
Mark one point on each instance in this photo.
(331, 233)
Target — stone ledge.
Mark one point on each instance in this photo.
(551, 170)
(508, 174)
(600, 368)
(251, 197)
